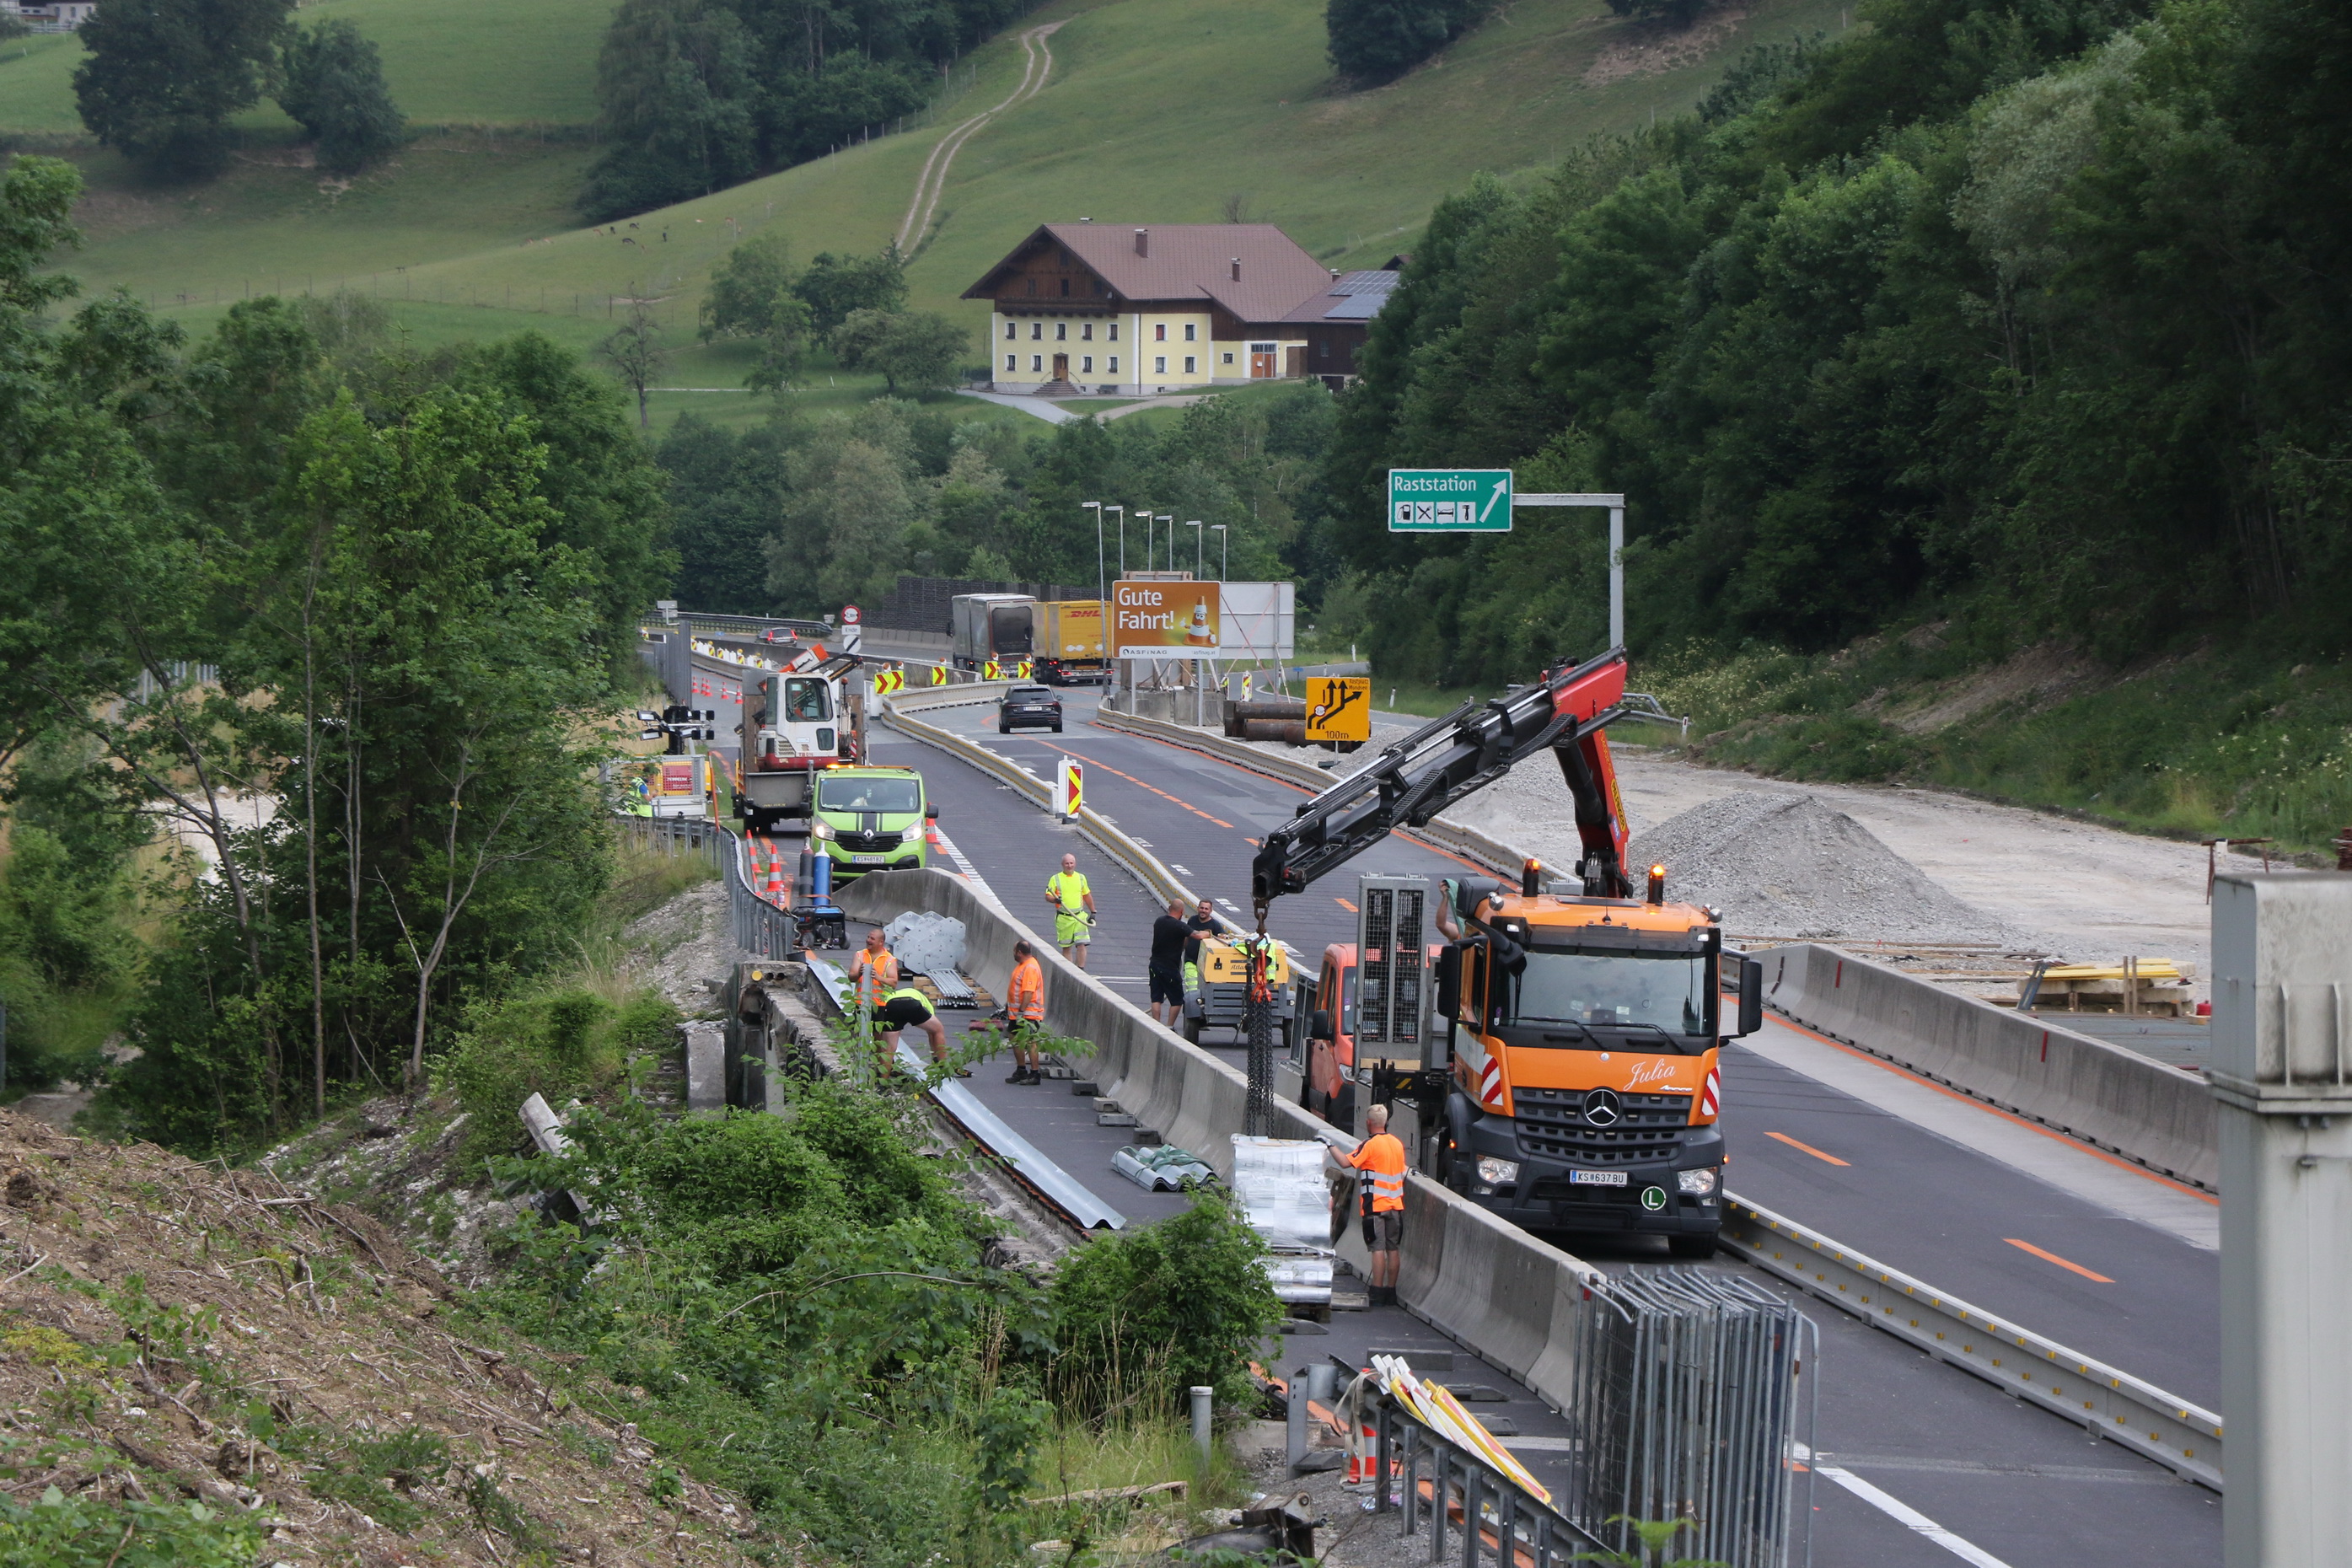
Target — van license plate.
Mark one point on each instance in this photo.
(1596, 1178)
(877, 859)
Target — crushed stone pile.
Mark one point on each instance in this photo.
(180, 1334)
(1783, 864)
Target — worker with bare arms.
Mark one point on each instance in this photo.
(1073, 901)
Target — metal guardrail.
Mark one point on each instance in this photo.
(759, 928)
(2184, 1438)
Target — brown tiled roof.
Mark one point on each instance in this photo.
(1187, 261)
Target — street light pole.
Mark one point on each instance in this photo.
(1122, 534)
(1225, 548)
(1170, 521)
(1102, 587)
(1200, 554)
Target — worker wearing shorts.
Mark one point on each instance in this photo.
(1381, 1164)
(1166, 970)
(907, 1008)
(1074, 910)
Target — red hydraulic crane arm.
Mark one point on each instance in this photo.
(1449, 758)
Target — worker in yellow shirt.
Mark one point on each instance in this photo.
(1380, 1164)
(1025, 1013)
(1074, 910)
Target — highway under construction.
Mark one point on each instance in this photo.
(1912, 1459)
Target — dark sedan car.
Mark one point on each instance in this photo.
(1029, 708)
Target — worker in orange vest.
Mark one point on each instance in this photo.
(874, 969)
(1380, 1164)
(1025, 1013)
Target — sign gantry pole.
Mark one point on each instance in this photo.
(1479, 501)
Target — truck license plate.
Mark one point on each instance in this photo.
(1596, 1178)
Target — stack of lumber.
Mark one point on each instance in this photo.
(2139, 985)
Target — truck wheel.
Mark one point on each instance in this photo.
(1697, 1249)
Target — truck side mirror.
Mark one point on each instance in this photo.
(1751, 995)
(1449, 981)
(1318, 1025)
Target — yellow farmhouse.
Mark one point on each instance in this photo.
(1087, 306)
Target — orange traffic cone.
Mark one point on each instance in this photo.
(775, 874)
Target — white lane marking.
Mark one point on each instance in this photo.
(1902, 1513)
(1180, 870)
(972, 872)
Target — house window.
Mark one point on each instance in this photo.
(1065, 287)
(1191, 365)
(1012, 331)
(1160, 365)
(1229, 356)
(1061, 332)
(1011, 361)
(1086, 331)
(1086, 364)
(1192, 333)
(1036, 362)
(1036, 330)
(1114, 332)
(1029, 285)
(1114, 364)
(1159, 331)
(1323, 349)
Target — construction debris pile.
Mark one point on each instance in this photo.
(1785, 865)
(189, 1350)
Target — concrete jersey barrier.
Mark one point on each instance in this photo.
(2115, 1098)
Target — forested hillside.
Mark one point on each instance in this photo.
(2031, 319)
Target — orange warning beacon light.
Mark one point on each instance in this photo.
(1658, 884)
(1531, 878)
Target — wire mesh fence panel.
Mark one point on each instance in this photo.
(1687, 1399)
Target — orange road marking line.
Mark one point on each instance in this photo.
(2053, 1258)
(2052, 1133)
(1344, 904)
(1807, 1148)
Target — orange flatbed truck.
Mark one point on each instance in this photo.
(1576, 1083)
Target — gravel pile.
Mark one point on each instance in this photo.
(1782, 864)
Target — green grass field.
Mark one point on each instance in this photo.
(1157, 111)
(448, 62)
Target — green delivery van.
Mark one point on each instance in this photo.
(871, 819)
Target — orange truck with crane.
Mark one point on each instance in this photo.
(1576, 1083)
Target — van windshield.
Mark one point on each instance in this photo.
(1611, 987)
(834, 793)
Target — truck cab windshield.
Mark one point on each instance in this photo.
(806, 701)
(1603, 988)
(854, 793)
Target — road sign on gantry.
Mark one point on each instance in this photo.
(1338, 707)
(1449, 500)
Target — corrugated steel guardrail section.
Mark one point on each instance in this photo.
(2134, 1413)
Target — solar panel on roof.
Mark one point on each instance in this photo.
(1356, 308)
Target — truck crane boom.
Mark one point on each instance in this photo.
(1577, 1083)
(1459, 754)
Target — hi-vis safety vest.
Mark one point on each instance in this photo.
(1381, 1159)
(876, 974)
(1025, 998)
(909, 992)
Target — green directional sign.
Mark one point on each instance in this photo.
(1449, 500)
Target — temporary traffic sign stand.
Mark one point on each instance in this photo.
(1069, 789)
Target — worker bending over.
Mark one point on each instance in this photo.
(907, 1008)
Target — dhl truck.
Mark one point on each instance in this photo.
(1071, 649)
(1576, 1084)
